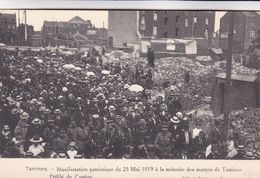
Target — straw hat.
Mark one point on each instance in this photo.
(64, 89)
(15, 111)
(36, 121)
(24, 116)
(18, 98)
(126, 86)
(95, 100)
(42, 109)
(9, 98)
(142, 121)
(249, 155)
(36, 139)
(60, 97)
(72, 144)
(179, 115)
(95, 116)
(6, 127)
(47, 111)
(57, 111)
(12, 102)
(111, 108)
(62, 155)
(175, 120)
(240, 148)
(147, 91)
(78, 99)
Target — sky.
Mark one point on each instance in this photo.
(36, 17)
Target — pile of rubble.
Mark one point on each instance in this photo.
(246, 122)
(195, 91)
(173, 69)
(236, 68)
(199, 89)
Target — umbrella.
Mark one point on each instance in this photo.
(136, 88)
(67, 53)
(90, 74)
(68, 66)
(77, 68)
(39, 61)
(105, 72)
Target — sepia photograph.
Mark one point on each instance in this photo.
(130, 84)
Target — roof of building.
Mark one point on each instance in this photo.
(244, 78)
(54, 23)
(77, 20)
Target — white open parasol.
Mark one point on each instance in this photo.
(90, 74)
(78, 68)
(68, 66)
(136, 88)
(105, 72)
(39, 61)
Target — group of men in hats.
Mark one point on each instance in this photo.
(47, 111)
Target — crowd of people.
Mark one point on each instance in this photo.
(47, 111)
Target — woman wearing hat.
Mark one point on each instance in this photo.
(111, 112)
(72, 151)
(19, 142)
(36, 148)
(5, 136)
(22, 125)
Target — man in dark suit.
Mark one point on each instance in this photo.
(150, 57)
(185, 139)
(175, 130)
